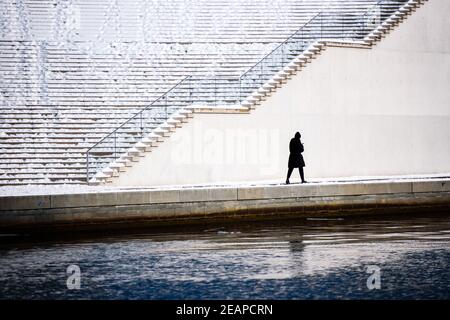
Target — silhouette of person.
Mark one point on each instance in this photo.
(295, 157)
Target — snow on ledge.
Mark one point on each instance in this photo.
(77, 189)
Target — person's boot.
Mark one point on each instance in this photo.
(304, 181)
(287, 181)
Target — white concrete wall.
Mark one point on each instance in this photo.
(384, 111)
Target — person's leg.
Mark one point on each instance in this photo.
(289, 174)
(302, 175)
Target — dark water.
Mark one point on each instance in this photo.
(292, 259)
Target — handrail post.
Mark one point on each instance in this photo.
(307, 33)
(87, 167)
(113, 134)
(302, 41)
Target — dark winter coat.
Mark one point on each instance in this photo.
(295, 157)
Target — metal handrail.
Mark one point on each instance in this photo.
(279, 45)
(113, 132)
(137, 113)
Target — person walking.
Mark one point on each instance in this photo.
(295, 157)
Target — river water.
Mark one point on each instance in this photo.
(405, 256)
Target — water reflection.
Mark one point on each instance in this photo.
(278, 259)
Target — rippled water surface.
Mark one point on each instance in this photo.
(292, 259)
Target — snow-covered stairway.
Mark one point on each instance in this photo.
(58, 97)
(266, 76)
(72, 70)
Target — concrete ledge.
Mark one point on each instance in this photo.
(101, 209)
